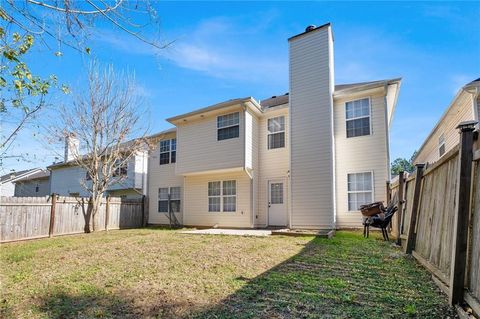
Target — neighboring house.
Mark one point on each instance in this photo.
(445, 135)
(67, 179)
(7, 181)
(306, 159)
(37, 184)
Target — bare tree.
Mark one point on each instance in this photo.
(54, 25)
(102, 123)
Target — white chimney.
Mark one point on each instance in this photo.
(311, 128)
(71, 147)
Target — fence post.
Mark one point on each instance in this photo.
(462, 213)
(52, 214)
(144, 211)
(107, 212)
(401, 182)
(389, 193)
(415, 203)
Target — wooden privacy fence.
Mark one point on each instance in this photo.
(37, 217)
(439, 219)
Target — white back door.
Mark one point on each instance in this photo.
(277, 208)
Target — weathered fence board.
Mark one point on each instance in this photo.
(409, 189)
(474, 267)
(125, 215)
(435, 217)
(438, 239)
(19, 221)
(30, 217)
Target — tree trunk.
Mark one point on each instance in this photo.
(88, 216)
(95, 208)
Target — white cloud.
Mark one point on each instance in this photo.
(218, 47)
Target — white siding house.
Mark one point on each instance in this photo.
(7, 181)
(35, 185)
(68, 179)
(444, 136)
(305, 159)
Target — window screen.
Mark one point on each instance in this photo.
(358, 117)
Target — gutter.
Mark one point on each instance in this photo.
(218, 106)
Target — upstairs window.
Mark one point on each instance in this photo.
(276, 132)
(358, 117)
(168, 151)
(121, 169)
(228, 126)
(360, 190)
(441, 145)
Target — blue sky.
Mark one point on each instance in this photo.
(225, 50)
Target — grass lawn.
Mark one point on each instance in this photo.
(161, 273)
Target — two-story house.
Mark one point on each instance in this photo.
(465, 106)
(306, 159)
(69, 179)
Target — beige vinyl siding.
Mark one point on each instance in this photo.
(478, 109)
(461, 110)
(273, 164)
(360, 154)
(196, 203)
(198, 149)
(311, 135)
(160, 176)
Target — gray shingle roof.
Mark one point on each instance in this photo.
(15, 174)
(37, 175)
(283, 99)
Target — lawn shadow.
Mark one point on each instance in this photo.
(345, 277)
(103, 305)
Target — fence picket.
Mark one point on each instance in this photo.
(24, 218)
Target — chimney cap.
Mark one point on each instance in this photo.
(310, 28)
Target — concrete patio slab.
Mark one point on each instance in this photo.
(233, 232)
(324, 233)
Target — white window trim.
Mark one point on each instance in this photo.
(284, 131)
(227, 126)
(440, 145)
(359, 117)
(222, 196)
(355, 192)
(169, 151)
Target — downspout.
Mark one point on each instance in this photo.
(387, 131)
(250, 174)
(184, 199)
